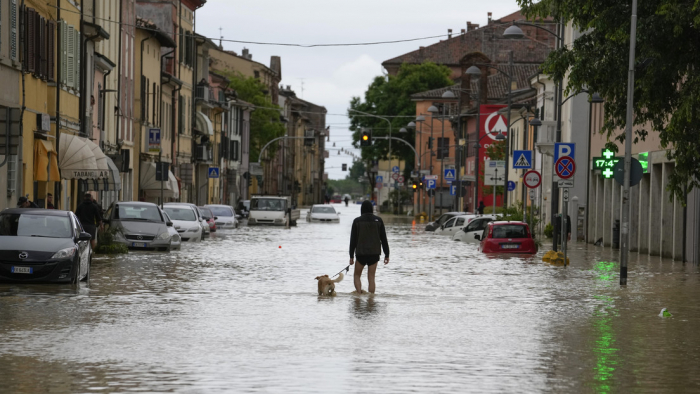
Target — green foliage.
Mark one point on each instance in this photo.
(391, 95)
(356, 170)
(667, 84)
(106, 244)
(549, 230)
(265, 124)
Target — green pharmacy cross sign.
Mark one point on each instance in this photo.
(606, 162)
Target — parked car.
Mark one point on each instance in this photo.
(140, 225)
(506, 237)
(432, 226)
(38, 245)
(175, 239)
(454, 225)
(476, 226)
(322, 213)
(202, 223)
(209, 217)
(185, 221)
(224, 215)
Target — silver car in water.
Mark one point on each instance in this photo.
(140, 225)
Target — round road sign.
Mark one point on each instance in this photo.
(532, 179)
(565, 167)
(401, 179)
(395, 176)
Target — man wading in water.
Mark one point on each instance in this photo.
(368, 238)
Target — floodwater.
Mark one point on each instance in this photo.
(239, 313)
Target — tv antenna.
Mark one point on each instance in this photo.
(302, 86)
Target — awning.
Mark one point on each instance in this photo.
(203, 124)
(77, 160)
(112, 182)
(45, 162)
(152, 187)
(100, 157)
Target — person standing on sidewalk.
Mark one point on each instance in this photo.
(367, 240)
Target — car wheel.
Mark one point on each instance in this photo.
(87, 274)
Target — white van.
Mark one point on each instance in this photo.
(271, 210)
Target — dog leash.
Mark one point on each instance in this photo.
(346, 269)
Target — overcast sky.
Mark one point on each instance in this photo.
(331, 76)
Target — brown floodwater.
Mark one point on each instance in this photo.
(239, 313)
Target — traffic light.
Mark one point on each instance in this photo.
(415, 188)
(430, 142)
(366, 138)
(345, 167)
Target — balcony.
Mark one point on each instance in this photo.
(204, 153)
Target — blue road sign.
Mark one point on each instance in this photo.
(379, 179)
(453, 190)
(450, 174)
(213, 172)
(395, 169)
(431, 183)
(153, 136)
(522, 159)
(562, 149)
(511, 186)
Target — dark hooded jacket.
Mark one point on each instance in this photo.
(368, 235)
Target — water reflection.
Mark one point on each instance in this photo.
(364, 306)
(604, 346)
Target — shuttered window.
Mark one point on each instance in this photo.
(50, 50)
(69, 51)
(180, 121)
(30, 39)
(39, 34)
(13, 29)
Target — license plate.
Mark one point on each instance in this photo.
(22, 270)
(510, 246)
(138, 245)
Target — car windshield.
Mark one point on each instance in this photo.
(267, 204)
(221, 211)
(35, 226)
(206, 213)
(509, 231)
(184, 214)
(442, 219)
(138, 213)
(322, 210)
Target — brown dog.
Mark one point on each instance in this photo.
(326, 285)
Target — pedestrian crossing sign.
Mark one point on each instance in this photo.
(522, 159)
(449, 174)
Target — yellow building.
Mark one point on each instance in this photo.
(150, 122)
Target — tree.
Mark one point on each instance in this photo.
(356, 170)
(391, 96)
(667, 84)
(265, 124)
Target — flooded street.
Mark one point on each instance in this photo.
(239, 313)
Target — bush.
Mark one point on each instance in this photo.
(106, 244)
(549, 230)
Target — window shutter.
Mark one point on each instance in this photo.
(144, 84)
(63, 50)
(155, 104)
(0, 24)
(13, 29)
(77, 59)
(181, 48)
(50, 50)
(29, 36)
(41, 46)
(70, 56)
(180, 123)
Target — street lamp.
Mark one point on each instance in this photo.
(448, 95)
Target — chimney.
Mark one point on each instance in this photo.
(463, 31)
(469, 26)
(475, 26)
(421, 50)
(489, 18)
(289, 87)
(449, 33)
(244, 53)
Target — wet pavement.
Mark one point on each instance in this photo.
(239, 313)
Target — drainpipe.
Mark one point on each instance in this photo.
(57, 188)
(20, 159)
(176, 93)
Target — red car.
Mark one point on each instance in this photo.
(507, 237)
(209, 217)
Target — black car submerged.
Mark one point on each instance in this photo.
(40, 245)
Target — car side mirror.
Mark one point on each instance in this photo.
(477, 237)
(84, 237)
(169, 224)
(216, 218)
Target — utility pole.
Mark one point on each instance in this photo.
(629, 122)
